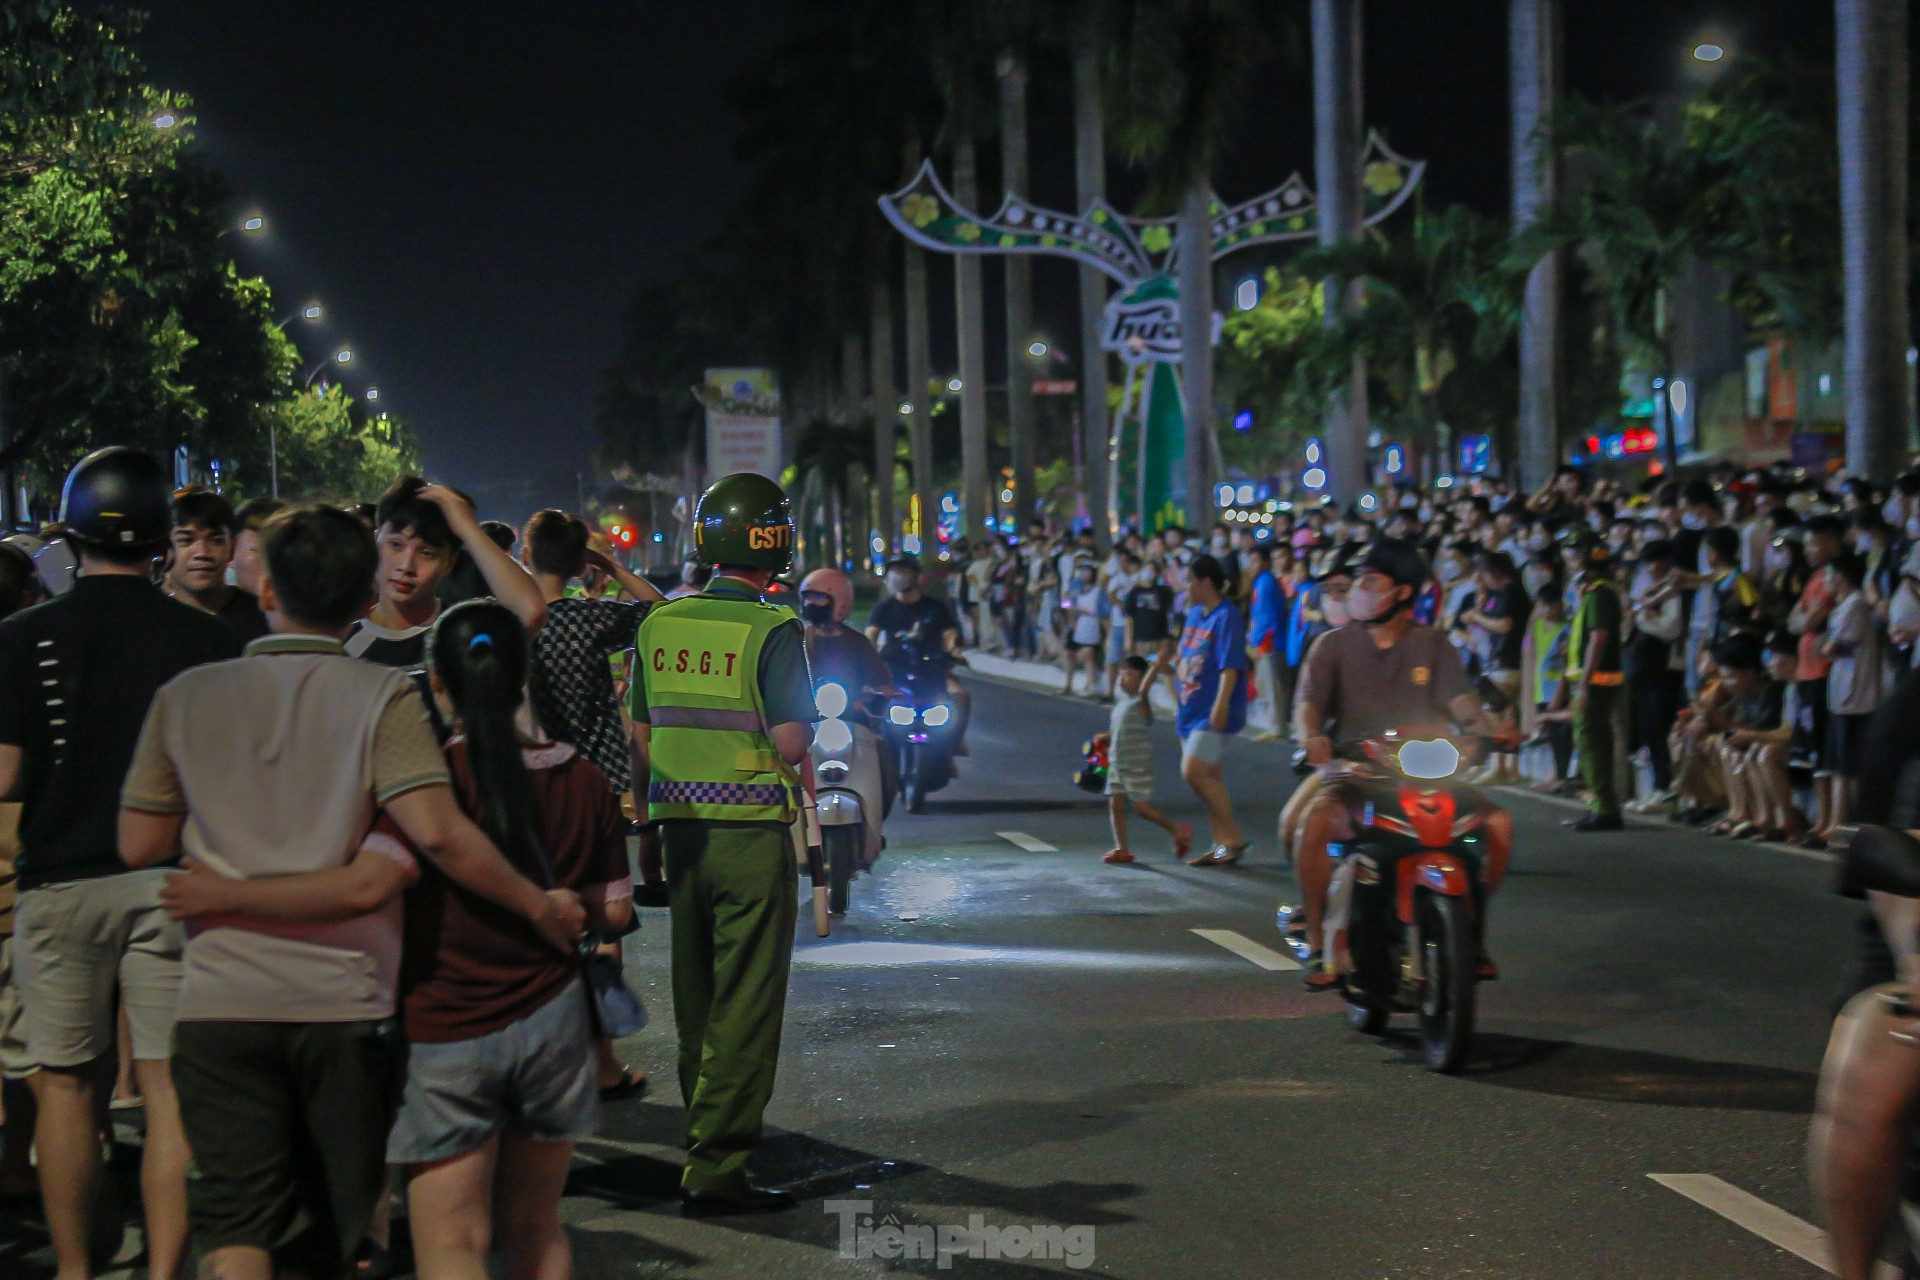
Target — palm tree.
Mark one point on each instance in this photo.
(1184, 69)
(827, 455)
(1643, 206)
(1773, 128)
(884, 407)
(1013, 171)
(1337, 133)
(1090, 182)
(1534, 67)
(1428, 297)
(1871, 68)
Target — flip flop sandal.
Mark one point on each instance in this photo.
(632, 1085)
(1317, 978)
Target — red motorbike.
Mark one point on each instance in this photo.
(1407, 905)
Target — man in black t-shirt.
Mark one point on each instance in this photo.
(1148, 607)
(77, 675)
(908, 611)
(198, 555)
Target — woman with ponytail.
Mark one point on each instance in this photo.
(500, 1081)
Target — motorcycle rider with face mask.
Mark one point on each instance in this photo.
(906, 609)
(1379, 672)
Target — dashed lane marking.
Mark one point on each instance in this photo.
(1022, 840)
(1771, 1223)
(1247, 949)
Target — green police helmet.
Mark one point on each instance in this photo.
(745, 520)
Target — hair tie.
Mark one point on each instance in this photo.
(480, 640)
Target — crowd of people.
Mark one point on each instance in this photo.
(318, 819)
(1709, 648)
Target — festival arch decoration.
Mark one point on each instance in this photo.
(1142, 324)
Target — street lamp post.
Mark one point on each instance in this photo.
(342, 356)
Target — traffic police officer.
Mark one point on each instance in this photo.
(1594, 682)
(722, 711)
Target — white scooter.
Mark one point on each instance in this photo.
(846, 770)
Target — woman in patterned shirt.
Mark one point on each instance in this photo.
(572, 690)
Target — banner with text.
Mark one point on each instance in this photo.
(743, 422)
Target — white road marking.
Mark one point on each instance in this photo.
(1247, 949)
(1770, 1222)
(1027, 842)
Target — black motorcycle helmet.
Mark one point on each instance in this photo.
(117, 500)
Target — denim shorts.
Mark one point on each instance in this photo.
(534, 1076)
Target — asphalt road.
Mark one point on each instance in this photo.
(1003, 1037)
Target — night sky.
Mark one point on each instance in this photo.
(474, 198)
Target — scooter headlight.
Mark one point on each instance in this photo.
(1435, 759)
(900, 714)
(937, 714)
(830, 700)
(834, 769)
(832, 736)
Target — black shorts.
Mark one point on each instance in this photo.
(1809, 744)
(288, 1123)
(1846, 739)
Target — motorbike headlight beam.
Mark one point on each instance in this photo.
(900, 714)
(937, 714)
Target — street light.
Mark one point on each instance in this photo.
(165, 120)
(309, 312)
(255, 223)
(953, 384)
(1708, 51)
(373, 393)
(343, 356)
(1037, 349)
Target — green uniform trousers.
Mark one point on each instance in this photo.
(1593, 730)
(732, 891)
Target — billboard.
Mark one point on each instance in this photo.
(743, 422)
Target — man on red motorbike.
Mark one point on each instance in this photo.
(1378, 673)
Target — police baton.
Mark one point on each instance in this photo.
(816, 857)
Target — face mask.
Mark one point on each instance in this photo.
(899, 582)
(1219, 542)
(1616, 540)
(818, 614)
(1426, 512)
(1336, 611)
(1535, 579)
(1693, 520)
(1596, 522)
(1368, 606)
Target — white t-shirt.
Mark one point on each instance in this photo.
(1853, 683)
(1088, 608)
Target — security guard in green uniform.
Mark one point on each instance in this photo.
(722, 710)
(1594, 682)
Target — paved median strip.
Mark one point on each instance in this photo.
(1021, 839)
(1247, 949)
(1770, 1222)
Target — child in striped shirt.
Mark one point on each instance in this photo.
(1130, 762)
